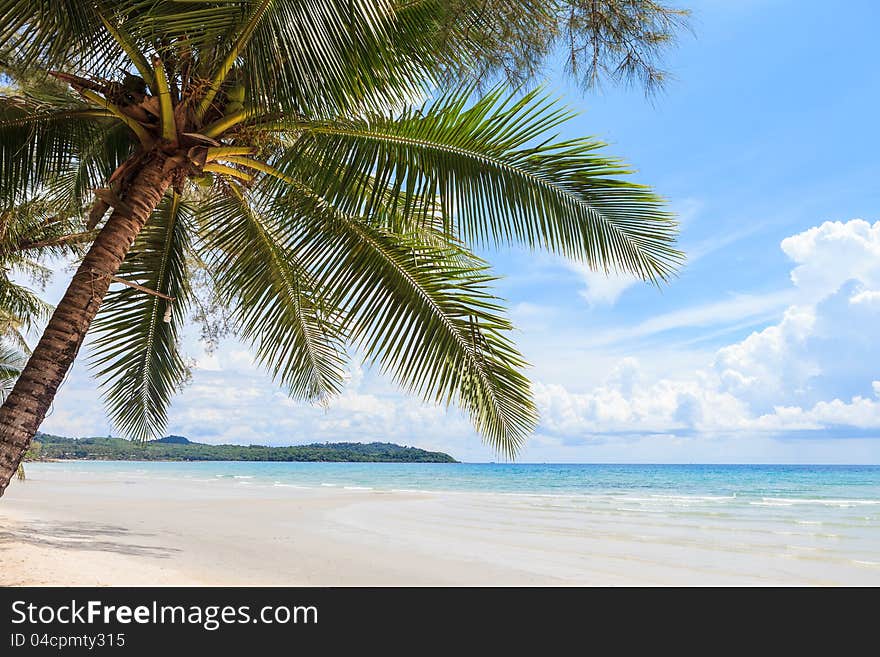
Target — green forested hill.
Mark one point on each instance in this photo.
(177, 448)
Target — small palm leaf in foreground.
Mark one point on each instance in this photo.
(29, 233)
(11, 363)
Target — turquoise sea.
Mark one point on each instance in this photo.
(840, 486)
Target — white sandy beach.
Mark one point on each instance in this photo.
(60, 529)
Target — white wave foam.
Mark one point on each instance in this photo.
(701, 498)
(823, 502)
(768, 503)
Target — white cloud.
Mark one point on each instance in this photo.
(770, 361)
(859, 412)
(833, 254)
(779, 379)
(866, 297)
(603, 288)
(687, 406)
(736, 308)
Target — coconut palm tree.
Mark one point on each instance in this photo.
(283, 145)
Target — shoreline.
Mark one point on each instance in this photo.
(61, 527)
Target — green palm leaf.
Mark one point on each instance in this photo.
(37, 229)
(274, 302)
(326, 56)
(29, 232)
(422, 311)
(11, 362)
(39, 141)
(134, 352)
(317, 56)
(50, 34)
(498, 177)
(72, 187)
(21, 305)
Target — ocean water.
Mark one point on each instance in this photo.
(827, 486)
(794, 523)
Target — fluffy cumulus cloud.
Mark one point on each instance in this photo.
(771, 363)
(830, 255)
(817, 368)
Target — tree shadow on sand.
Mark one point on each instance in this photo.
(79, 535)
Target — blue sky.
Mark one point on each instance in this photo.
(762, 350)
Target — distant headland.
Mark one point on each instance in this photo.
(177, 448)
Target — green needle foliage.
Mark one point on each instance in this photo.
(328, 206)
(622, 41)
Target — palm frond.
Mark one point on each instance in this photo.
(423, 312)
(499, 179)
(39, 228)
(71, 188)
(49, 34)
(316, 57)
(11, 363)
(37, 142)
(273, 301)
(11, 332)
(134, 351)
(115, 26)
(22, 305)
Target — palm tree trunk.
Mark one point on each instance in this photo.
(30, 399)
